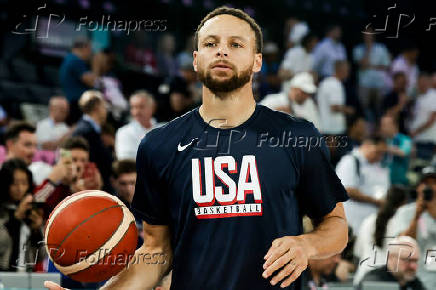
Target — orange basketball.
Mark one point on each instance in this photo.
(91, 236)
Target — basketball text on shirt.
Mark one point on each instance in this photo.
(228, 200)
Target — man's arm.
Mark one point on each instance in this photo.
(425, 126)
(141, 273)
(356, 195)
(291, 253)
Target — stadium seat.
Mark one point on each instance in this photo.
(4, 70)
(380, 286)
(12, 95)
(24, 71)
(40, 94)
(51, 75)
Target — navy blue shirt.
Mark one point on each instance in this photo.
(70, 74)
(226, 194)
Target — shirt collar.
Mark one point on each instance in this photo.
(92, 122)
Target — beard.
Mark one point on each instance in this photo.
(224, 86)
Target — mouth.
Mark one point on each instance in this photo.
(222, 66)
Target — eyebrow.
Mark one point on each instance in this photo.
(233, 36)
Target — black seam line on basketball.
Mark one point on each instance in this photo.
(87, 219)
(105, 254)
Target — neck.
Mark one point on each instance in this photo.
(235, 107)
(145, 123)
(94, 117)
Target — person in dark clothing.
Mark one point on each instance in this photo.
(89, 127)
(401, 266)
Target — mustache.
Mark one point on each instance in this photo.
(226, 62)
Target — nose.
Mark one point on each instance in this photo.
(222, 51)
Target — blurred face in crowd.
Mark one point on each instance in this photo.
(373, 151)
(336, 33)
(425, 184)
(400, 83)
(79, 157)
(298, 96)
(359, 130)
(125, 186)
(311, 44)
(59, 109)
(342, 71)
(326, 266)
(403, 260)
(141, 108)
(19, 187)
(101, 112)
(423, 84)
(226, 56)
(168, 43)
(23, 147)
(388, 127)
(178, 101)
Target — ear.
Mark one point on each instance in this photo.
(257, 62)
(194, 63)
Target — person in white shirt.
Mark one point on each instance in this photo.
(332, 101)
(328, 51)
(365, 180)
(423, 125)
(129, 136)
(296, 99)
(51, 131)
(406, 62)
(298, 59)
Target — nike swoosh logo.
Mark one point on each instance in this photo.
(182, 148)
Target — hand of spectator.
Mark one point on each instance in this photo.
(53, 286)
(36, 219)
(421, 204)
(62, 171)
(24, 205)
(287, 255)
(379, 202)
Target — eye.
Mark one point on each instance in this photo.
(209, 44)
(235, 44)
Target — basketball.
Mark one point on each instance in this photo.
(91, 236)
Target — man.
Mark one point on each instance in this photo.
(124, 179)
(395, 103)
(406, 63)
(332, 101)
(373, 60)
(227, 236)
(418, 220)
(298, 101)
(365, 180)
(20, 140)
(328, 51)
(128, 137)
(51, 131)
(423, 125)
(75, 75)
(402, 264)
(398, 150)
(67, 176)
(89, 127)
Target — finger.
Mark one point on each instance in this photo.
(277, 264)
(276, 243)
(285, 272)
(295, 274)
(275, 254)
(52, 285)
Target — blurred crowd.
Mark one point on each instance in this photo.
(380, 129)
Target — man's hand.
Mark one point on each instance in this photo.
(24, 205)
(291, 255)
(53, 286)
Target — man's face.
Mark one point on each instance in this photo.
(20, 185)
(388, 127)
(298, 96)
(59, 109)
(375, 152)
(403, 262)
(141, 109)
(226, 56)
(125, 186)
(79, 157)
(400, 83)
(102, 112)
(24, 147)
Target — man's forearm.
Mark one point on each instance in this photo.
(144, 271)
(330, 237)
(411, 230)
(356, 195)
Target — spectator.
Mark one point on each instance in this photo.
(423, 123)
(396, 103)
(139, 56)
(332, 101)
(373, 60)
(20, 140)
(128, 137)
(68, 175)
(365, 180)
(357, 132)
(298, 101)
(75, 75)
(398, 150)
(185, 57)
(20, 222)
(166, 61)
(371, 247)
(328, 51)
(401, 266)
(298, 59)
(295, 30)
(51, 131)
(124, 179)
(268, 78)
(418, 220)
(89, 127)
(180, 100)
(406, 63)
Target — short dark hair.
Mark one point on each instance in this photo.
(15, 128)
(7, 176)
(75, 143)
(398, 74)
(307, 39)
(375, 139)
(239, 14)
(122, 167)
